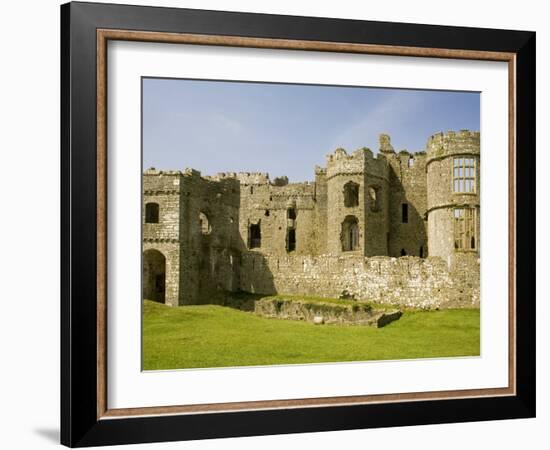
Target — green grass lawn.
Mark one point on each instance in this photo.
(217, 336)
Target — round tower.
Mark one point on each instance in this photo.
(453, 168)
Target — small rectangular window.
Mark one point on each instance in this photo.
(255, 236)
(405, 213)
(464, 175)
(152, 213)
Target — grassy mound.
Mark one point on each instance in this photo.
(217, 336)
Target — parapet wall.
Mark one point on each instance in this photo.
(361, 161)
(407, 281)
(442, 145)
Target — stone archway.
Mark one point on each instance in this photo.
(154, 275)
(350, 234)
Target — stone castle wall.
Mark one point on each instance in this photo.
(408, 186)
(407, 281)
(234, 231)
(442, 148)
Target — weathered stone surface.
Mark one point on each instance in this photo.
(408, 281)
(345, 231)
(318, 312)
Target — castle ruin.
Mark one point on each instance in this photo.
(396, 228)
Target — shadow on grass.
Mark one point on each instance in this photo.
(243, 301)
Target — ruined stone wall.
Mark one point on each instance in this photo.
(197, 233)
(172, 286)
(362, 169)
(210, 240)
(163, 189)
(441, 199)
(321, 212)
(408, 186)
(203, 231)
(265, 204)
(407, 281)
(377, 195)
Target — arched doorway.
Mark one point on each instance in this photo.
(154, 275)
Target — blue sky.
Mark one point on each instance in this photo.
(284, 129)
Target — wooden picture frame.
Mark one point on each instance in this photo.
(86, 419)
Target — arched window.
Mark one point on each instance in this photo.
(465, 228)
(351, 194)
(350, 234)
(204, 223)
(152, 213)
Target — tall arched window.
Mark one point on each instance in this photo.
(350, 234)
(351, 194)
(151, 213)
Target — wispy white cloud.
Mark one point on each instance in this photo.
(223, 122)
(393, 112)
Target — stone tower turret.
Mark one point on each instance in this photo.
(385, 144)
(357, 192)
(453, 168)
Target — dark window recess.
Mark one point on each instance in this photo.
(266, 213)
(351, 194)
(350, 234)
(291, 240)
(152, 213)
(159, 282)
(422, 251)
(255, 233)
(405, 213)
(291, 213)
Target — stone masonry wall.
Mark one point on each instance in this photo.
(408, 186)
(406, 281)
(201, 246)
(441, 199)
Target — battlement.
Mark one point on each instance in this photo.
(152, 171)
(441, 145)
(405, 156)
(253, 177)
(360, 161)
(306, 188)
(320, 171)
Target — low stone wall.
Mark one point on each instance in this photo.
(407, 281)
(355, 313)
